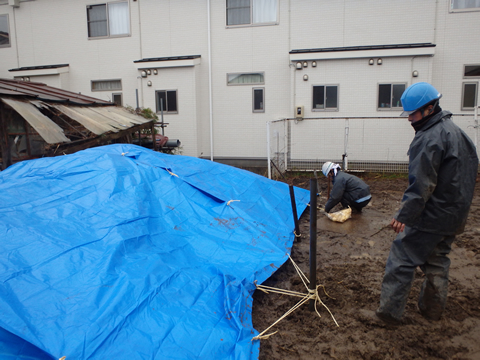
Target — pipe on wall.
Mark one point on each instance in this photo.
(210, 80)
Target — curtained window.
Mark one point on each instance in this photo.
(108, 20)
(106, 85)
(465, 5)
(245, 79)
(252, 12)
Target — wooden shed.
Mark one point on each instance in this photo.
(37, 120)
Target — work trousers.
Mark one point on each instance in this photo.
(410, 249)
(354, 205)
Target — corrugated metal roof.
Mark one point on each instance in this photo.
(28, 98)
(48, 130)
(44, 92)
(102, 119)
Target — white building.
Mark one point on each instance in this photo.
(227, 67)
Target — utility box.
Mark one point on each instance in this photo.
(299, 112)
(14, 3)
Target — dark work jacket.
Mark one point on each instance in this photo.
(442, 170)
(348, 187)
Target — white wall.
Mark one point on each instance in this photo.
(47, 32)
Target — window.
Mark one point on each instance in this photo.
(258, 100)
(471, 71)
(166, 100)
(117, 99)
(469, 95)
(245, 79)
(4, 31)
(389, 96)
(106, 85)
(108, 20)
(252, 12)
(464, 5)
(325, 97)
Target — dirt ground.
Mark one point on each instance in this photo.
(350, 265)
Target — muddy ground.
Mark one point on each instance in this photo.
(350, 265)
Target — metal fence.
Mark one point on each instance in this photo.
(374, 144)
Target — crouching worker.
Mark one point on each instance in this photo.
(347, 189)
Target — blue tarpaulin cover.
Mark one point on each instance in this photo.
(120, 252)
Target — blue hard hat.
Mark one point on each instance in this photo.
(418, 95)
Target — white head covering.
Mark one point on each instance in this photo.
(330, 166)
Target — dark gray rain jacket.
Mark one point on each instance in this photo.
(441, 174)
(347, 187)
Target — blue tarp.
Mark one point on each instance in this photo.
(119, 252)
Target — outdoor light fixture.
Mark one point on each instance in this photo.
(149, 83)
(305, 64)
(299, 65)
(415, 73)
(143, 73)
(314, 64)
(370, 62)
(149, 72)
(27, 79)
(155, 72)
(305, 77)
(379, 61)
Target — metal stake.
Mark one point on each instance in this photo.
(313, 240)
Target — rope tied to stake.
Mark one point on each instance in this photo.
(312, 294)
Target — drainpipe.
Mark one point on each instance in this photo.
(210, 80)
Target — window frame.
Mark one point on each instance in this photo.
(106, 81)
(262, 110)
(325, 108)
(473, 76)
(390, 108)
(8, 33)
(108, 36)
(166, 111)
(475, 100)
(251, 23)
(452, 10)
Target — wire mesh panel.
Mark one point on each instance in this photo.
(277, 147)
(360, 144)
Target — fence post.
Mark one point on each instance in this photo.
(345, 149)
(268, 151)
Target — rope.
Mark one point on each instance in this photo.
(311, 295)
(228, 203)
(171, 173)
(296, 235)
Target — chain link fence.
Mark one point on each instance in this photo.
(373, 144)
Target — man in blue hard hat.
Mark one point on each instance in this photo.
(348, 189)
(442, 171)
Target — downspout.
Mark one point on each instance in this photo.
(16, 37)
(210, 80)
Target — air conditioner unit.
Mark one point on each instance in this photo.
(14, 3)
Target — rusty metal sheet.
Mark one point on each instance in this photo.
(48, 130)
(78, 114)
(124, 113)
